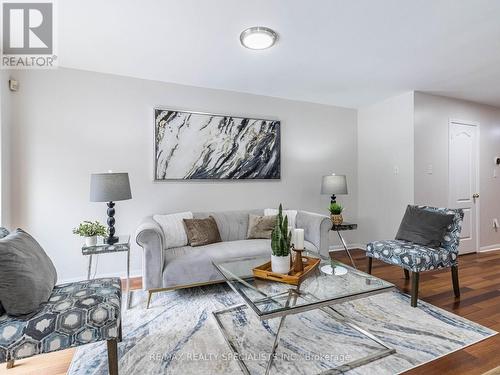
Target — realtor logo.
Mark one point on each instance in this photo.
(28, 35)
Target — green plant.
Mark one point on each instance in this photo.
(280, 237)
(336, 209)
(90, 229)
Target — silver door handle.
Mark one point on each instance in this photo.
(476, 195)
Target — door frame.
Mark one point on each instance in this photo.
(478, 150)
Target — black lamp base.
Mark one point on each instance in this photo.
(111, 240)
(333, 199)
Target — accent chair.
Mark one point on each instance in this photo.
(415, 258)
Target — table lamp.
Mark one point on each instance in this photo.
(334, 184)
(110, 187)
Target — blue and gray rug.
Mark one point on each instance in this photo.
(179, 335)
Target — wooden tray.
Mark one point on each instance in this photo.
(293, 278)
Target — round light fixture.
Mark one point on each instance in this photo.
(258, 37)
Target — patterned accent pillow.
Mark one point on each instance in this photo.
(3, 232)
(260, 226)
(202, 231)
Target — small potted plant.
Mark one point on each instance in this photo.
(280, 244)
(336, 213)
(90, 230)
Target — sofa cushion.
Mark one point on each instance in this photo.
(260, 226)
(233, 225)
(190, 265)
(173, 228)
(202, 231)
(28, 275)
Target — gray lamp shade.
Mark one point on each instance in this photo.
(334, 184)
(109, 187)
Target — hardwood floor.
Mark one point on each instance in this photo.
(480, 302)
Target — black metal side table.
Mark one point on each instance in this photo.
(342, 227)
(123, 244)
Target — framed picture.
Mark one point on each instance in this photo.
(203, 146)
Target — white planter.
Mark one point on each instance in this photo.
(91, 241)
(280, 264)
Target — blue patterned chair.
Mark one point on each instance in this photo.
(76, 314)
(416, 258)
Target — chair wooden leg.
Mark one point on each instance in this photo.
(10, 364)
(112, 356)
(454, 278)
(370, 261)
(407, 274)
(414, 288)
(120, 333)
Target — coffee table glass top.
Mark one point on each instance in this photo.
(331, 283)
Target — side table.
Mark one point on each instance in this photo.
(102, 247)
(342, 227)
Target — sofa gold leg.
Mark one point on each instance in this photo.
(10, 364)
(150, 294)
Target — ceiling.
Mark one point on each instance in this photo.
(342, 52)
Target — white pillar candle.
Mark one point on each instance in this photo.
(299, 239)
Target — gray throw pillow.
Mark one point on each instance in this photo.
(424, 227)
(3, 232)
(28, 275)
(202, 231)
(260, 226)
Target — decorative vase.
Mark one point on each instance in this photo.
(90, 241)
(280, 264)
(337, 219)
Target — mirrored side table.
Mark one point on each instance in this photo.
(102, 247)
(342, 227)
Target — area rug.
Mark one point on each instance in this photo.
(179, 335)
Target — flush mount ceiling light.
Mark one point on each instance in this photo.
(258, 37)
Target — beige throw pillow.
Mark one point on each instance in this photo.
(202, 231)
(260, 226)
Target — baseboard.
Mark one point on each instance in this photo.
(352, 246)
(122, 275)
(489, 248)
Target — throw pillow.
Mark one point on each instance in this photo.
(3, 233)
(260, 226)
(28, 275)
(202, 231)
(424, 227)
(173, 228)
(291, 214)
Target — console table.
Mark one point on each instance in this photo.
(102, 247)
(341, 227)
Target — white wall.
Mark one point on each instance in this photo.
(385, 143)
(5, 121)
(432, 115)
(69, 123)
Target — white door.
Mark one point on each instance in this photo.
(464, 181)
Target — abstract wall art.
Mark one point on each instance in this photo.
(200, 146)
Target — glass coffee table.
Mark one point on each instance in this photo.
(332, 283)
